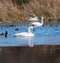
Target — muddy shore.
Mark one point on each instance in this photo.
(49, 22)
(36, 54)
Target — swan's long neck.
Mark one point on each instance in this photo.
(29, 29)
(41, 20)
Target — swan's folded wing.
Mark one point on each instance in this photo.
(21, 34)
(24, 34)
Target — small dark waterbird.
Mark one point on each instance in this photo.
(16, 29)
(6, 34)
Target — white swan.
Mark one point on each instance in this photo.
(34, 18)
(26, 34)
(38, 23)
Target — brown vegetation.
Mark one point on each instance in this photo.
(16, 10)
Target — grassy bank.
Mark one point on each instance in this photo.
(17, 10)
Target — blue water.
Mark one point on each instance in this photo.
(44, 35)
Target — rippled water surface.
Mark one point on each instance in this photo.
(44, 35)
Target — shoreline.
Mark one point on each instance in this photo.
(43, 54)
(11, 24)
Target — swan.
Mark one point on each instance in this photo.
(38, 23)
(25, 34)
(35, 18)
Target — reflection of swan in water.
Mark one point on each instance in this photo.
(25, 34)
(30, 43)
(25, 41)
(38, 23)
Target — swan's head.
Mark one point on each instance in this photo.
(31, 27)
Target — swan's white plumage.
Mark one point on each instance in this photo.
(35, 18)
(35, 21)
(25, 34)
(37, 24)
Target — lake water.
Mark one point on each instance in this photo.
(44, 35)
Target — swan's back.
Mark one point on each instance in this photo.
(37, 23)
(33, 18)
(24, 34)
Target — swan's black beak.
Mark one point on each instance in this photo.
(33, 29)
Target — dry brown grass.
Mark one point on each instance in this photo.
(46, 8)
